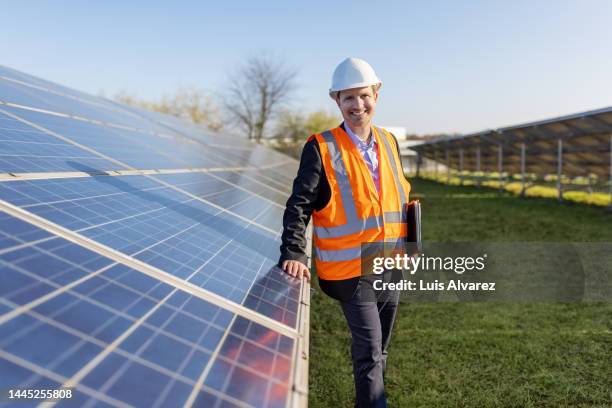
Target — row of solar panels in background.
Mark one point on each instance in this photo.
(577, 145)
(216, 230)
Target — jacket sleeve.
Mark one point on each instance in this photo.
(300, 205)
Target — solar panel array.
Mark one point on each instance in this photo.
(583, 140)
(138, 258)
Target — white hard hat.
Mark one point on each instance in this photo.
(353, 73)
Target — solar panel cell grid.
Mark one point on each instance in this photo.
(227, 194)
(136, 149)
(244, 180)
(13, 93)
(127, 147)
(132, 116)
(70, 316)
(251, 360)
(70, 103)
(14, 231)
(171, 231)
(130, 325)
(282, 188)
(24, 149)
(283, 180)
(26, 79)
(255, 156)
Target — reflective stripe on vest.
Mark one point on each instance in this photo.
(355, 253)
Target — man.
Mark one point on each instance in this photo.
(351, 182)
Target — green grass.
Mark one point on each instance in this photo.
(481, 354)
(573, 190)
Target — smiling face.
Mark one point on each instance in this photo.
(357, 106)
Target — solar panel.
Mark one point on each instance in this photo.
(26, 149)
(245, 179)
(585, 139)
(30, 81)
(138, 256)
(128, 147)
(25, 92)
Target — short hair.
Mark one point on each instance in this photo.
(336, 94)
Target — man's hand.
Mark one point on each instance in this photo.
(296, 269)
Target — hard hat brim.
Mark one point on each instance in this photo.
(357, 85)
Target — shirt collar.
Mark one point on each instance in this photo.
(357, 140)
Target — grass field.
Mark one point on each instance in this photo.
(574, 190)
(481, 354)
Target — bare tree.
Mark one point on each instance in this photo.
(257, 92)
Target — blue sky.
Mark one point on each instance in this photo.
(446, 66)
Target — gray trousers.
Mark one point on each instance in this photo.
(370, 316)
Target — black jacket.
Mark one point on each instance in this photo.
(310, 192)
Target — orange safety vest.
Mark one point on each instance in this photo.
(356, 213)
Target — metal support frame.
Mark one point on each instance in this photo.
(299, 391)
(611, 171)
(478, 165)
(436, 164)
(461, 165)
(559, 168)
(523, 169)
(447, 167)
(500, 165)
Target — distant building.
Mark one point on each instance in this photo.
(405, 141)
(398, 131)
(408, 155)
